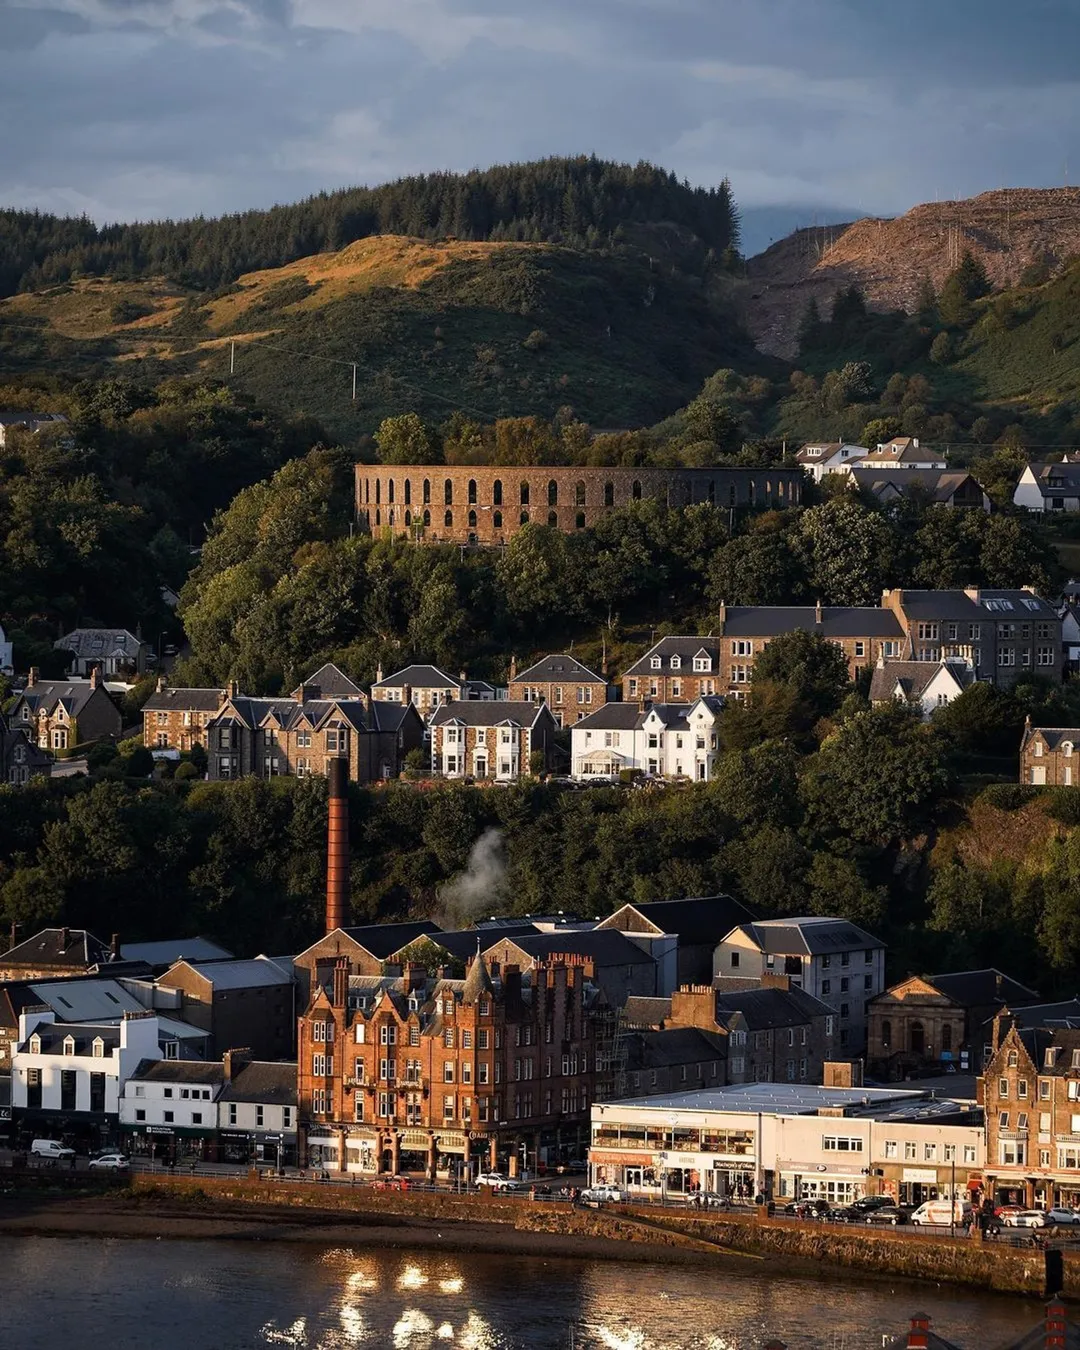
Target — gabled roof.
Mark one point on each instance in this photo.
(1060, 1015)
(258, 972)
(606, 946)
(73, 694)
(1053, 736)
(809, 936)
(462, 944)
(769, 1008)
(817, 450)
(641, 1012)
(940, 485)
(932, 1342)
(836, 621)
(190, 700)
(331, 682)
(87, 643)
(1066, 477)
(52, 1036)
(471, 713)
(73, 947)
(982, 988)
(560, 667)
(383, 940)
(179, 1071)
(388, 717)
(175, 949)
(684, 647)
(977, 605)
(266, 1081)
(674, 1046)
(611, 717)
(911, 679)
(419, 677)
(696, 920)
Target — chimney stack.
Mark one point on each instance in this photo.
(919, 1335)
(114, 948)
(817, 612)
(32, 678)
(95, 677)
(341, 983)
(233, 689)
(159, 687)
(234, 1060)
(65, 939)
(337, 856)
(513, 668)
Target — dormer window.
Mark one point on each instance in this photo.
(703, 663)
(655, 663)
(35, 1045)
(69, 1045)
(99, 1048)
(676, 662)
(1066, 747)
(414, 1003)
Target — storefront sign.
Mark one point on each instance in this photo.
(160, 1129)
(923, 1175)
(416, 1139)
(5, 1112)
(234, 1136)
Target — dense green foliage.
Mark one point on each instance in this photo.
(584, 201)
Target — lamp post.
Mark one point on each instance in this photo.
(952, 1198)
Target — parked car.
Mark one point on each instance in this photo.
(1063, 1215)
(868, 1202)
(1025, 1218)
(113, 1162)
(492, 1179)
(942, 1212)
(1001, 1210)
(893, 1214)
(601, 1194)
(706, 1200)
(50, 1148)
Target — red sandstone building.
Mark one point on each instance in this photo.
(570, 690)
(470, 504)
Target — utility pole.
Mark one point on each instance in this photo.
(232, 356)
(354, 381)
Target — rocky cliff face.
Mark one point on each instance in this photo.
(889, 259)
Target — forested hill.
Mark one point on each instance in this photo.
(584, 201)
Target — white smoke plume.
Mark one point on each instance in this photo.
(478, 891)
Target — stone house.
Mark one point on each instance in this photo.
(925, 1024)
(176, 719)
(114, 651)
(927, 685)
(20, 758)
(1003, 634)
(428, 688)
(415, 1073)
(1048, 756)
(491, 740)
(257, 1110)
(241, 1002)
(61, 714)
(570, 690)
(54, 952)
(675, 670)
(1030, 1093)
(830, 959)
(364, 950)
(672, 1059)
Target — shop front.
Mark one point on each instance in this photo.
(323, 1152)
(169, 1144)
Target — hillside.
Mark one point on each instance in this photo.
(496, 328)
(1007, 230)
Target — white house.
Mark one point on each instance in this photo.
(1049, 487)
(69, 1076)
(902, 452)
(930, 684)
(664, 739)
(833, 960)
(257, 1111)
(6, 659)
(819, 458)
(171, 1104)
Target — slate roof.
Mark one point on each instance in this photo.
(914, 677)
(606, 946)
(684, 647)
(73, 947)
(933, 1341)
(462, 944)
(901, 450)
(387, 717)
(817, 451)
(266, 1081)
(981, 605)
(73, 694)
(980, 988)
(559, 667)
(1038, 1338)
(175, 949)
(477, 981)
(697, 919)
(383, 940)
(331, 682)
(89, 999)
(1060, 1015)
(673, 1047)
(837, 621)
(1068, 473)
(419, 677)
(258, 972)
(940, 485)
(769, 1008)
(641, 1012)
(810, 936)
(1053, 736)
(612, 717)
(179, 1071)
(190, 700)
(475, 714)
(88, 643)
(54, 1034)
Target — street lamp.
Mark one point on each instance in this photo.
(952, 1198)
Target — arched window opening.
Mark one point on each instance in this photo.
(408, 491)
(524, 517)
(496, 520)
(448, 492)
(524, 494)
(408, 519)
(427, 519)
(553, 493)
(367, 491)
(472, 491)
(448, 520)
(579, 493)
(496, 492)
(635, 490)
(579, 520)
(378, 491)
(390, 491)
(886, 1033)
(472, 520)
(427, 491)
(378, 517)
(553, 519)
(609, 494)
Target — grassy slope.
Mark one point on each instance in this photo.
(430, 326)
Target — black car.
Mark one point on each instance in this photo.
(885, 1214)
(868, 1202)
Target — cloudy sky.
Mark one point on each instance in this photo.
(146, 108)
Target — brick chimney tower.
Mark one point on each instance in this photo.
(337, 855)
(919, 1335)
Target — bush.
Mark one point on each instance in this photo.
(1063, 804)
(536, 341)
(1008, 796)
(185, 772)
(140, 763)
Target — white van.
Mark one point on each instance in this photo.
(50, 1148)
(942, 1212)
